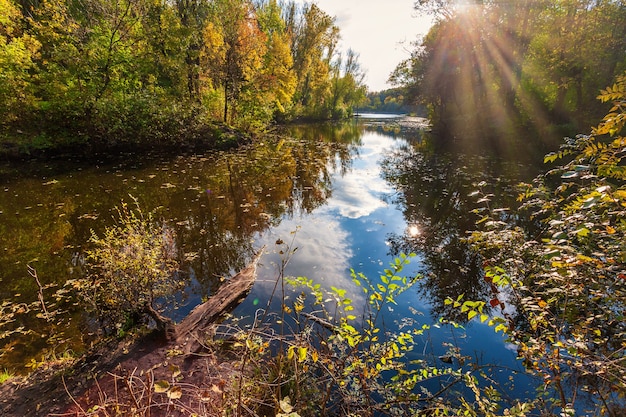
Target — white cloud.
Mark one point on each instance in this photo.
(358, 193)
(323, 254)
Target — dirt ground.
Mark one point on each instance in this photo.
(146, 376)
(181, 372)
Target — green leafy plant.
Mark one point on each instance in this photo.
(567, 281)
(131, 267)
(330, 359)
(5, 376)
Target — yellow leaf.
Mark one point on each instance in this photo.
(302, 354)
(175, 393)
(175, 370)
(161, 386)
(610, 230)
(542, 304)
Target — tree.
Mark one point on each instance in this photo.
(314, 37)
(17, 53)
(277, 80)
(234, 50)
(493, 67)
(347, 88)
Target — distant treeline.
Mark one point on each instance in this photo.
(105, 72)
(491, 67)
(390, 101)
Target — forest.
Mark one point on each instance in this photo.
(106, 73)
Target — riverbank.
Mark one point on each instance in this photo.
(18, 144)
(185, 372)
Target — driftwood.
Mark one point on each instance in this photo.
(192, 330)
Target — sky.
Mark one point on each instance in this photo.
(380, 31)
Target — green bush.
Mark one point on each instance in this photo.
(131, 268)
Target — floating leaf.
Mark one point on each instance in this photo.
(582, 232)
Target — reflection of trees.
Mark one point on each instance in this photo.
(432, 191)
(218, 203)
(338, 142)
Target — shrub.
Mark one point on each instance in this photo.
(131, 268)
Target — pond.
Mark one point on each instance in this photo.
(346, 195)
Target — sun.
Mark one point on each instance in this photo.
(413, 231)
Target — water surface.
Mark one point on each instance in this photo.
(345, 195)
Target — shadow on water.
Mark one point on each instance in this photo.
(433, 192)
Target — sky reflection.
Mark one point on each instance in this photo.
(348, 231)
(352, 230)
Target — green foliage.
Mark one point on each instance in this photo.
(131, 268)
(568, 284)
(335, 360)
(5, 376)
(124, 72)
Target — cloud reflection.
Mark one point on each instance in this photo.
(323, 254)
(358, 193)
(325, 244)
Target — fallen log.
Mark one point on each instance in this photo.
(192, 329)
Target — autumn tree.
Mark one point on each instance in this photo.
(17, 53)
(234, 47)
(314, 38)
(277, 80)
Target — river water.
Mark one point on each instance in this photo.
(345, 195)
